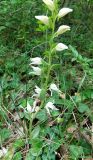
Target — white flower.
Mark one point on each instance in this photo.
(36, 71)
(37, 90)
(50, 4)
(36, 60)
(62, 29)
(3, 151)
(29, 108)
(35, 107)
(63, 12)
(43, 19)
(51, 106)
(61, 47)
(54, 88)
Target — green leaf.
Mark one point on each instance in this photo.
(42, 115)
(42, 94)
(17, 156)
(75, 151)
(2, 28)
(29, 156)
(56, 145)
(4, 134)
(88, 94)
(74, 51)
(55, 113)
(35, 132)
(18, 143)
(83, 108)
(36, 149)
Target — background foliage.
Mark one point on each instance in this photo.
(19, 40)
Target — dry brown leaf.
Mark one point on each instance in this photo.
(71, 129)
(63, 95)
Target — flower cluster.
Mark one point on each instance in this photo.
(50, 105)
(37, 61)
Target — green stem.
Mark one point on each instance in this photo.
(30, 126)
(49, 58)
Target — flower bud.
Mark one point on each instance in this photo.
(50, 4)
(63, 12)
(36, 71)
(61, 47)
(36, 60)
(29, 108)
(43, 19)
(62, 29)
(37, 91)
(37, 109)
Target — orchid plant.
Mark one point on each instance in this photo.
(46, 123)
(43, 67)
